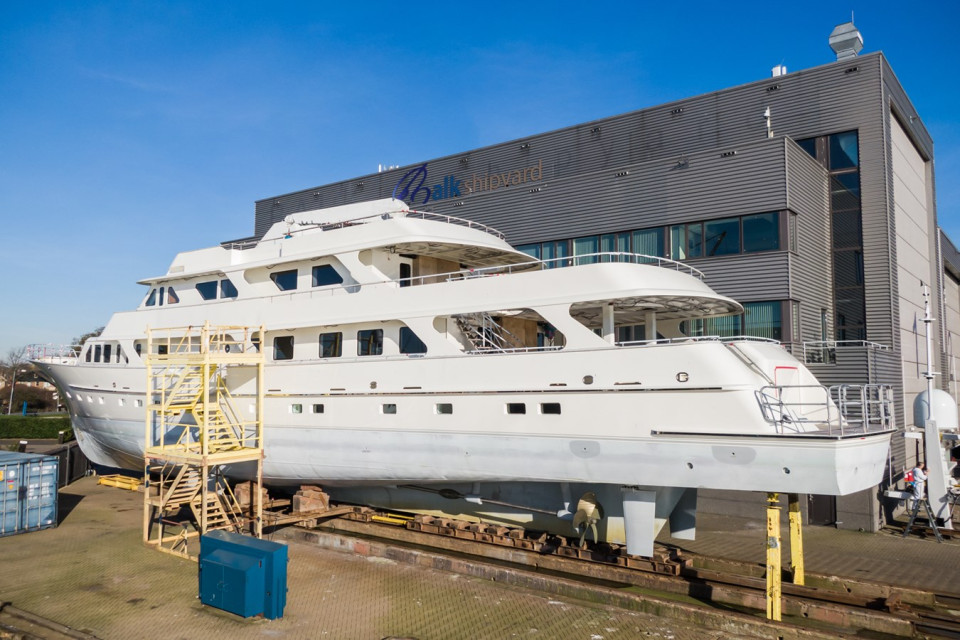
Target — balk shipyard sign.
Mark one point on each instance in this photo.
(414, 187)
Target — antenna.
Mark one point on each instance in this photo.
(766, 116)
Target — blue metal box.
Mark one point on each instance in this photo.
(28, 492)
(243, 575)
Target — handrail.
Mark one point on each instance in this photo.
(837, 410)
(51, 352)
(576, 261)
(685, 339)
(824, 352)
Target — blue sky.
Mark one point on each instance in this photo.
(132, 130)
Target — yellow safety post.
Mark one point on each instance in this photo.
(796, 539)
(773, 556)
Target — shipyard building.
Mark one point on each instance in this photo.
(807, 196)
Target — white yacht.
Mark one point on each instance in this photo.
(417, 361)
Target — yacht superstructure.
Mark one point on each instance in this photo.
(417, 361)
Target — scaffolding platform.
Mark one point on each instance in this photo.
(193, 429)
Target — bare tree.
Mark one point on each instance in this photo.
(11, 364)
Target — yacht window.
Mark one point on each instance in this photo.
(255, 341)
(444, 408)
(96, 353)
(160, 299)
(89, 353)
(137, 348)
(296, 408)
(318, 408)
(516, 407)
(172, 297)
(331, 345)
(152, 298)
(406, 272)
(227, 290)
(550, 408)
(161, 349)
(283, 348)
(389, 409)
(107, 352)
(325, 275)
(138, 403)
(410, 343)
(285, 280)
(370, 342)
(761, 232)
(208, 290)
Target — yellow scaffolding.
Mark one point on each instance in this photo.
(193, 429)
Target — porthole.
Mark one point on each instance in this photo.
(550, 408)
(444, 408)
(516, 408)
(389, 409)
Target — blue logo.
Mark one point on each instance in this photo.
(411, 187)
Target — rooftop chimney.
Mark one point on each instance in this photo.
(846, 41)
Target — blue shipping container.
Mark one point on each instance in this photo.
(28, 492)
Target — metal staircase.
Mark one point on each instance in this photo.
(485, 333)
(194, 431)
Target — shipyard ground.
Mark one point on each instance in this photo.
(93, 577)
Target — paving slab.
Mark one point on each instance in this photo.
(94, 575)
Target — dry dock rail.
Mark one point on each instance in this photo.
(658, 585)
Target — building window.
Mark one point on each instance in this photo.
(227, 290)
(207, 290)
(331, 345)
(516, 408)
(283, 348)
(410, 343)
(532, 250)
(325, 275)
(843, 151)
(763, 320)
(444, 408)
(285, 280)
(686, 241)
(370, 342)
(649, 242)
(721, 237)
(761, 232)
(587, 247)
(553, 253)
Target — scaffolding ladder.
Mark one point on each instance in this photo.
(193, 429)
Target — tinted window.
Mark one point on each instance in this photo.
(227, 290)
(331, 345)
(325, 275)
(761, 232)
(208, 290)
(406, 272)
(516, 407)
(160, 297)
(809, 145)
(107, 352)
(285, 280)
(721, 237)
(686, 241)
(845, 192)
(444, 408)
(152, 298)
(762, 319)
(843, 150)
(649, 242)
(283, 348)
(96, 353)
(370, 342)
(172, 297)
(550, 408)
(532, 250)
(410, 343)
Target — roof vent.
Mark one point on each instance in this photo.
(779, 70)
(846, 41)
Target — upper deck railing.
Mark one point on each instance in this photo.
(387, 215)
(54, 353)
(573, 261)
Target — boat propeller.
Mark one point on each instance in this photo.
(589, 513)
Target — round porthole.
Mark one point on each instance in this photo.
(683, 376)
(373, 385)
(786, 470)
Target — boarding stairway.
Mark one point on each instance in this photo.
(194, 432)
(485, 333)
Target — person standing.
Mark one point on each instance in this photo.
(919, 481)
